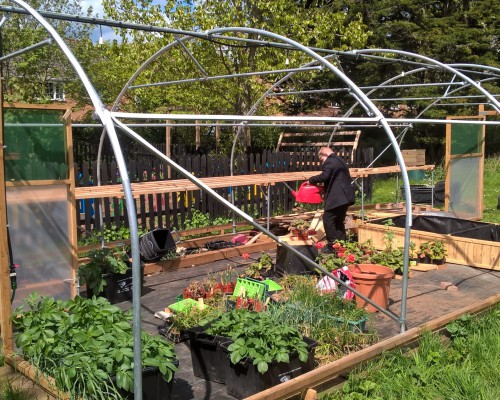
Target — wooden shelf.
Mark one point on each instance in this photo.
(184, 185)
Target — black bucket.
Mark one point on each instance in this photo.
(155, 244)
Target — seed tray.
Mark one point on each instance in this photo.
(250, 288)
(184, 305)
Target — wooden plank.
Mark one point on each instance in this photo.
(313, 134)
(5, 289)
(423, 267)
(30, 371)
(207, 257)
(184, 185)
(329, 371)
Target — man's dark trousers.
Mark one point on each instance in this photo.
(333, 223)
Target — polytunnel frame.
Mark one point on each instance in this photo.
(110, 118)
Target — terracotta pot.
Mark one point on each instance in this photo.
(228, 287)
(241, 303)
(372, 281)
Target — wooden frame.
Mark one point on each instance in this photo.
(184, 185)
(449, 157)
(320, 140)
(5, 289)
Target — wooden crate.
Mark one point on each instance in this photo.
(414, 158)
(461, 250)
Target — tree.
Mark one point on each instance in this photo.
(25, 77)
(315, 26)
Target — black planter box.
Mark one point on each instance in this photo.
(289, 263)
(207, 356)
(118, 287)
(154, 387)
(243, 379)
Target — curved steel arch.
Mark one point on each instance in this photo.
(366, 103)
(106, 120)
(109, 119)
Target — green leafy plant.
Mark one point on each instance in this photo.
(257, 337)
(424, 250)
(86, 345)
(300, 225)
(194, 317)
(391, 258)
(337, 324)
(257, 269)
(103, 261)
(413, 250)
(463, 367)
(437, 250)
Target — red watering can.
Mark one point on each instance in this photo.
(308, 193)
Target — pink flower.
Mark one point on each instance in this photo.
(319, 245)
(351, 258)
(340, 254)
(336, 246)
(245, 256)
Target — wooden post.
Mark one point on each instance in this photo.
(248, 136)
(168, 144)
(198, 135)
(72, 223)
(5, 310)
(217, 137)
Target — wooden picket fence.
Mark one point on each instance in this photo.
(171, 210)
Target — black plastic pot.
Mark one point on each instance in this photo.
(243, 379)
(154, 387)
(206, 355)
(420, 194)
(118, 287)
(155, 244)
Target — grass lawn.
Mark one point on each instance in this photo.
(384, 190)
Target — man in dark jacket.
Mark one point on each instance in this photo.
(339, 195)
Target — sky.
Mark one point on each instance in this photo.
(98, 11)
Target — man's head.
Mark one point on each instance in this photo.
(324, 152)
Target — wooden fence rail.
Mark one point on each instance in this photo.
(172, 210)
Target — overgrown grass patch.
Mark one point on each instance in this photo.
(462, 368)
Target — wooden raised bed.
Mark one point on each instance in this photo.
(262, 244)
(461, 250)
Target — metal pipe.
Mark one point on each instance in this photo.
(26, 49)
(105, 117)
(212, 78)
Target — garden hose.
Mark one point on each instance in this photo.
(12, 268)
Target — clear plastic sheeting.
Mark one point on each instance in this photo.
(39, 234)
(465, 195)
